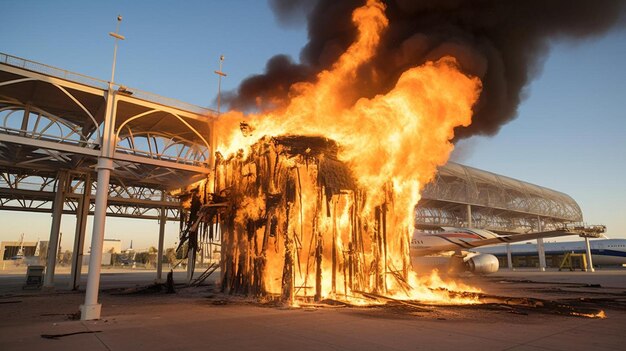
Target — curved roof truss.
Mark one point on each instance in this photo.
(497, 201)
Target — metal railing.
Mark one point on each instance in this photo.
(53, 71)
(99, 83)
(166, 101)
(200, 162)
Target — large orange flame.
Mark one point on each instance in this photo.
(393, 142)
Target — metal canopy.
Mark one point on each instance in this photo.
(497, 202)
(54, 119)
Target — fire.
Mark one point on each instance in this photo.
(434, 289)
(599, 315)
(320, 242)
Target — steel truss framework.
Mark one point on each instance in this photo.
(35, 192)
(67, 144)
(78, 145)
(495, 202)
(52, 119)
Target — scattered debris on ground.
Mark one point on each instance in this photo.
(58, 336)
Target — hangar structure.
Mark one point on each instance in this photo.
(77, 145)
(463, 196)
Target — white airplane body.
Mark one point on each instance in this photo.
(454, 248)
(603, 251)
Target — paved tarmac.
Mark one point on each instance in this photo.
(201, 319)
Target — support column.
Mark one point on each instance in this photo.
(91, 308)
(53, 243)
(509, 259)
(588, 253)
(469, 216)
(159, 277)
(540, 248)
(82, 212)
(541, 251)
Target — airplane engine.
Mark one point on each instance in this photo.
(482, 264)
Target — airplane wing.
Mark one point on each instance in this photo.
(459, 244)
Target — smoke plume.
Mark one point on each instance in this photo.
(501, 42)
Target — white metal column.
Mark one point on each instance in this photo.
(53, 243)
(162, 221)
(541, 250)
(469, 216)
(588, 253)
(509, 259)
(82, 212)
(91, 308)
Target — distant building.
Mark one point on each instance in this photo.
(10, 249)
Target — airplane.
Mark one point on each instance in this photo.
(604, 252)
(452, 248)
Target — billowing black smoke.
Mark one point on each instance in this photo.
(501, 41)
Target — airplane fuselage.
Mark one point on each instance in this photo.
(603, 251)
(456, 255)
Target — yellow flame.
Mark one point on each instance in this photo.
(599, 315)
(433, 288)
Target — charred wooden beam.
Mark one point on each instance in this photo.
(287, 281)
(319, 251)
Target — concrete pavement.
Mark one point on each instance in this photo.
(200, 319)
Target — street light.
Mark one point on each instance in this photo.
(219, 83)
(91, 308)
(117, 37)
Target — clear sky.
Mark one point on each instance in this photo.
(569, 135)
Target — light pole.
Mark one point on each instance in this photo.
(91, 308)
(219, 83)
(117, 37)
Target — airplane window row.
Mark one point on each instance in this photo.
(617, 245)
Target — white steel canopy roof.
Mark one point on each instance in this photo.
(498, 202)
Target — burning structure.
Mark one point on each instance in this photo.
(294, 225)
(276, 232)
(315, 195)
(304, 215)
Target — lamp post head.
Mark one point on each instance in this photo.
(117, 37)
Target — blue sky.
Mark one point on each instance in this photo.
(569, 135)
